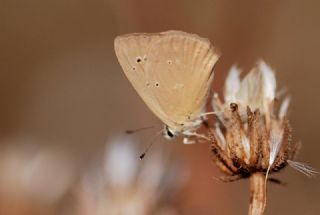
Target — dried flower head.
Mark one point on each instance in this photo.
(253, 133)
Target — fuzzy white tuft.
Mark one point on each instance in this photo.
(256, 90)
(303, 168)
(251, 92)
(269, 80)
(232, 85)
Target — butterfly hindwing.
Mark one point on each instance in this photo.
(180, 67)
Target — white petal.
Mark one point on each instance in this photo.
(232, 85)
(269, 80)
(275, 141)
(284, 107)
(246, 146)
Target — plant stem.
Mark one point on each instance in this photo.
(258, 194)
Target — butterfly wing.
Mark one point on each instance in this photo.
(171, 71)
(179, 68)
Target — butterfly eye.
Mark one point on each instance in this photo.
(170, 134)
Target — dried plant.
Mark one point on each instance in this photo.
(252, 137)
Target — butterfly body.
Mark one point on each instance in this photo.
(172, 72)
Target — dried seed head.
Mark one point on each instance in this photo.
(253, 133)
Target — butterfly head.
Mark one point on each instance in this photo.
(169, 133)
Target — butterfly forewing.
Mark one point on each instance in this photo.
(132, 51)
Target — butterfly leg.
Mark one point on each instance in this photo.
(189, 134)
(186, 140)
(195, 134)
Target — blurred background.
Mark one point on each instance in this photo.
(65, 104)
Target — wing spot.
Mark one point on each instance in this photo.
(169, 62)
(138, 60)
(157, 84)
(133, 68)
(148, 84)
(145, 58)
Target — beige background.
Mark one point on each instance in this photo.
(60, 82)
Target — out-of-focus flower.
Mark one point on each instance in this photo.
(253, 133)
(125, 185)
(33, 178)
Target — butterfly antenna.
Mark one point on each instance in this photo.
(203, 117)
(132, 131)
(150, 144)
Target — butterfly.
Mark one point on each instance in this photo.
(172, 71)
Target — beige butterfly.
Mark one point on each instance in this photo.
(172, 72)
